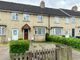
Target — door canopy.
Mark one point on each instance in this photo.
(26, 26)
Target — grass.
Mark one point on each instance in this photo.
(76, 49)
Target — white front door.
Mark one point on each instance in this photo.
(14, 34)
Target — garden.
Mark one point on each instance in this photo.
(21, 46)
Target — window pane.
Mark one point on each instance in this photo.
(39, 18)
(73, 20)
(14, 16)
(43, 30)
(56, 19)
(36, 31)
(67, 20)
(0, 30)
(15, 32)
(58, 31)
(26, 17)
(40, 30)
(3, 30)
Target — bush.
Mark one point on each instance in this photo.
(19, 46)
(20, 39)
(47, 34)
(74, 42)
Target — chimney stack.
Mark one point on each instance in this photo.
(42, 4)
(75, 8)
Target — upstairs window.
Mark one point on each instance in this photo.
(57, 20)
(67, 20)
(26, 17)
(73, 20)
(40, 18)
(14, 16)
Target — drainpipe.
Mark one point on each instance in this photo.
(49, 24)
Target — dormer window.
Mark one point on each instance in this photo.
(26, 17)
(40, 18)
(14, 16)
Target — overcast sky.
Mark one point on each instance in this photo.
(67, 4)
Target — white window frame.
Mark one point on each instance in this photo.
(57, 20)
(54, 31)
(73, 20)
(41, 32)
(67, 20)
(40, 18)
(14, 16)
(26, 17)
(1, 30)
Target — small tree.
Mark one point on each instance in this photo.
(46, 36)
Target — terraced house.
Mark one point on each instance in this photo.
(32, 22)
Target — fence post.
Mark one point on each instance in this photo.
(63, 52)
(69, 53)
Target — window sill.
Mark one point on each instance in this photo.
(15, 20)
(66, 23)
(39, 34)
(57, 23)
(39, 22)
(25, 21)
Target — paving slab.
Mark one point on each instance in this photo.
(75, 55)
(4, 52)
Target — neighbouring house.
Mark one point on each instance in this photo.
(32, 22)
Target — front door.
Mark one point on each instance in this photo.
(14, 34)
(73, 32)
(25, 34)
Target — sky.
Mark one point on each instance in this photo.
(66, 4)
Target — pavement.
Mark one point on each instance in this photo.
(75, 55)
(4, 52)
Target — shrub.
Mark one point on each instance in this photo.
(46, 36)
(74, 42)
(19, 46)
(20, 39)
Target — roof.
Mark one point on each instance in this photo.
(35, 9)
(29, 8)
(71, 12)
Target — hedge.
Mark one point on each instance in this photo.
(19, 46)
(74, 42)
